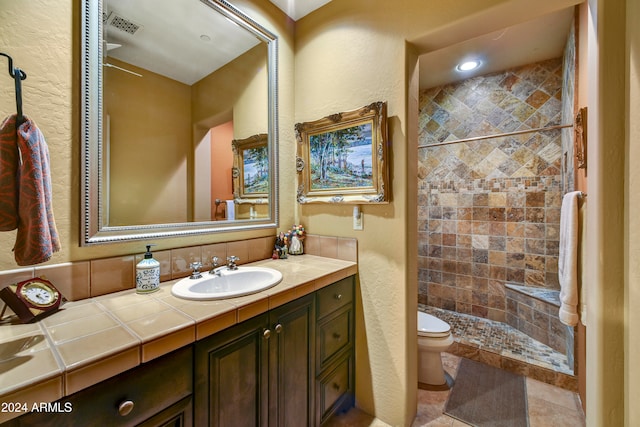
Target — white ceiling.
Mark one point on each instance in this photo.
(170, 39)
(296, 9)
(532, 41)
(177, 28)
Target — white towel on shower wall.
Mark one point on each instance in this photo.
(568, 259)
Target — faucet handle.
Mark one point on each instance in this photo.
(195, 270)
(231, 262)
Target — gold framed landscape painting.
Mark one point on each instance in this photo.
(250, 169)
(342, 158)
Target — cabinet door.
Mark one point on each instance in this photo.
(231, 376)
(291, 362)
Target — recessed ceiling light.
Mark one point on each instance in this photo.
(469, 65)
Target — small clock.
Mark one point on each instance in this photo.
(32, 299)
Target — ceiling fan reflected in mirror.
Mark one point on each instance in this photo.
(114, 20)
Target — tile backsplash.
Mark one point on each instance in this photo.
(84, 279)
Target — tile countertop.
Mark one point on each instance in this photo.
(94, 339)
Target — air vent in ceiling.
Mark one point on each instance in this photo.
(122, 24)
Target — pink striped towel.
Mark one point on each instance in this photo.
(37, 237)
(9, 161)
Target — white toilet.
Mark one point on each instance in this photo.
(434, 337)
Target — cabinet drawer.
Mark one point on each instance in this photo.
(334, 389)
(146, 390)
(335, 296)
(333, 336)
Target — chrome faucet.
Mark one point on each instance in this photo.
(195, 270)
(231, 262)
(216, 268)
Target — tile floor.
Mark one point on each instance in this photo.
(500, 338)
(547, 406)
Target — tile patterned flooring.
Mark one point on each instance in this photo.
(547, 406)
(551, 397)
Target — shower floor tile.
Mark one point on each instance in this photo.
(501, 339)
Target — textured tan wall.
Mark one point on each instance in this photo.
(250, 113)
(43, 38)
(605, 256)
(150, 146)
(350, 53)
(632, 387)
(238, 92)
(369, 65)
(162, 136)
(330, 80)
(38, 35)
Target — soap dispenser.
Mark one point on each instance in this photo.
(147, 274)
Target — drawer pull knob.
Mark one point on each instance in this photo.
(336, 336)
(266, 334)
(338, 296)
(125, 408)
(278, 328)
(336, 386)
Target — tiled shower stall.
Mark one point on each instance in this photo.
(489, 209)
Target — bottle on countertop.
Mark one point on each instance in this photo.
(147, 274)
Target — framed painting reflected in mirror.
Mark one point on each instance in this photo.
(251, 169)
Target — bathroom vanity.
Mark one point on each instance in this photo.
(292, 364)
(279, 366)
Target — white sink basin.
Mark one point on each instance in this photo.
(228, 284)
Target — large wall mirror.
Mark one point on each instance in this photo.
(167, 88)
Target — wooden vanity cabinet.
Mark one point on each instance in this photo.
(334, 385)
(157, 393)
(260, 372)
(292, 366)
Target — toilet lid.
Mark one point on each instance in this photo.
(429, 325)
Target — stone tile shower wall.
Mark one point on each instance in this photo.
(489, 210)
(569, 109)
